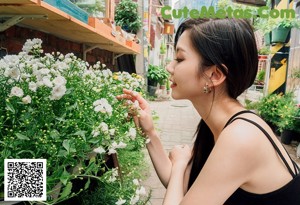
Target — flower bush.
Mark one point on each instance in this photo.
(279, 110)
(58, 107)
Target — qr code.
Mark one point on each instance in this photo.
(24, 179)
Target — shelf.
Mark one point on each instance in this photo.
(63, 25)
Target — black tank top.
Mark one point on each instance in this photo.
(289, 194)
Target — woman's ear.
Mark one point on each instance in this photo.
(216, 76)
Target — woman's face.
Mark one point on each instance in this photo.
(184, 70)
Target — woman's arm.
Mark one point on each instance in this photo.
(158, 155)
(232, 163)
(159, 158)
(180, 156)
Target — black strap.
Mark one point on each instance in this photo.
(236, 114)
(274, 145)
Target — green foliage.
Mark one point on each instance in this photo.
(133, 167)
(57, 107)
(261, 75)
(127, 16)
(296, 73)
(287, 23)
(279, 110)
(163, 48)
(249, 105)
(157, 74)
(264, 51)
(97, 9)
(266, 25)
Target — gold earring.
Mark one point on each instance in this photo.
(206, 88)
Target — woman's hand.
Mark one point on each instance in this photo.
(142, 114)
(180, 155)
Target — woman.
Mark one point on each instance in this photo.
(236, 158)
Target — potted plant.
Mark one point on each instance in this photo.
(156, 75)
(127, 16)
(260, 78)
(282, 28)
(95, 8)
(287, 110)
(268, 109)
(263, 53)
(265, 27)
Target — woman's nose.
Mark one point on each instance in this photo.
(170, 67)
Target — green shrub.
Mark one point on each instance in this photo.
(57, 107)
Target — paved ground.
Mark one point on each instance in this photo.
(176, 125)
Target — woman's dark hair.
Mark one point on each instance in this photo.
(230, 45)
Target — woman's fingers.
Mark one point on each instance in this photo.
(136, 96)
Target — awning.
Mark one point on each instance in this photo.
(41, 16)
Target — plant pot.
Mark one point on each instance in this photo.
(274, 128)
(263, 57)
(163, 87)
(280, 34)
(287, 136)
(152, 90)
(267, 39)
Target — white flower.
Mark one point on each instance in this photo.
(16, 91)
(32, 44)
(58, 92)
(132, 133)
(103, 106)
(121, 201)
(47, 81)
(121, 145)
(136, 182)
(44, 71)
(114, 144)
(26, 100)
(95, 133)
(59, 80)
(111, 151)
(141, 191)
(112, 132)
(99, 108)
(134, 200)
(106, 73)
(99, 150)
(13, 73)
(103, 127)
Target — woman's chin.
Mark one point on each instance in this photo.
(175, 96)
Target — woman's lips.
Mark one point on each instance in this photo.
(173, 85)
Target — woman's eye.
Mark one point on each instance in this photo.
(178, 60)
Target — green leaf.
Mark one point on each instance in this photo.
(54, 134)
(81, 133)
(62, 153)
(65, 176)
(67, 190)
(66, 145)
(10, 107)
(27, 151)
(87, 184)
(22, 137)
(94, 140)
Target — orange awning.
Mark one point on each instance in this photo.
(63, 25)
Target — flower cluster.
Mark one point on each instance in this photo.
(279, 110)
(60, 108)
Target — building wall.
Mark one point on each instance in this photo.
(15, 37)
(293, 84)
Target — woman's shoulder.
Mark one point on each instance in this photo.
(244, 136)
